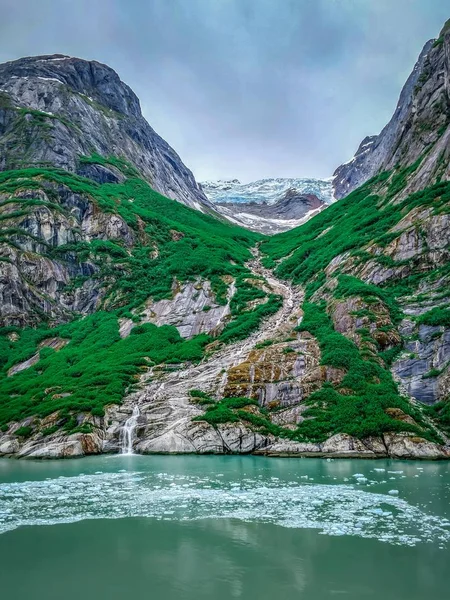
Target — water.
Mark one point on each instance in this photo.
(128, 431)
(196, 527)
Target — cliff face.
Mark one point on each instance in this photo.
(420, 124)
(66, 113)
(56, 109)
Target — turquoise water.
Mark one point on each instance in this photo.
(224, 527)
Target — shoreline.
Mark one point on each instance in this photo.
(258, 453)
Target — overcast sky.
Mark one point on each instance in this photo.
(243, 88)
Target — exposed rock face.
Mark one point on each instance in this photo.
(193, 310)
(291, 210)
(53, 109)
(422, 369)
(34, 281)
(279, 376)
(344, 446)
(420, 122)
(53, 343)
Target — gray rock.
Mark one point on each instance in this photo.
(89, 110)
(415, 126)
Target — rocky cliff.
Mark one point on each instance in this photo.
(56, 109)
(420, 124)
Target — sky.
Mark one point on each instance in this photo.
(243, 89)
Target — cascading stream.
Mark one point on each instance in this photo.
(127, 434)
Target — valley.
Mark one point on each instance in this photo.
(212, 387)
(138, 313)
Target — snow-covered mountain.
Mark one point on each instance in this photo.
(266, 190)
(269, 205)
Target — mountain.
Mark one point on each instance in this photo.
(269, 205)
(266, 190)
(133, 320)
(56, 109)
(418, 125)
(291, 210)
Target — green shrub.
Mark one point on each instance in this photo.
(361, 411)
(24, 432)
(435, 317)
(222, 411)
(50, 430)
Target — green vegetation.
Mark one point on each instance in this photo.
(125, 167)
(94, 369)
(264, 344)
(248, 321)
(223, 411)
(169, 242)
(41, 118)
(435, 317)
(440, 39)
(358, 404)
(441, 413)
(206, 247)
(352, 286)
(166, 244)
(199, 397)
(432, 373)
(352, 223)
(24, 431)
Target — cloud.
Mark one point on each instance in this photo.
(243, 88)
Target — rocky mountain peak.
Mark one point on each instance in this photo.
(419, 124)
(56, 110)
(89, 77)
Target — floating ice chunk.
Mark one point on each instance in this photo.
(332, 509)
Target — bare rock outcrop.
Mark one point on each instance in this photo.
(421, 122)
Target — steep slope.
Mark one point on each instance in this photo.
(128, 279)
(377, 285)
(421, 123)
(54, 109)
(70, 246)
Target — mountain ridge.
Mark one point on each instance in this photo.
(420, 123)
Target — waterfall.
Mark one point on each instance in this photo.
(127, 432)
